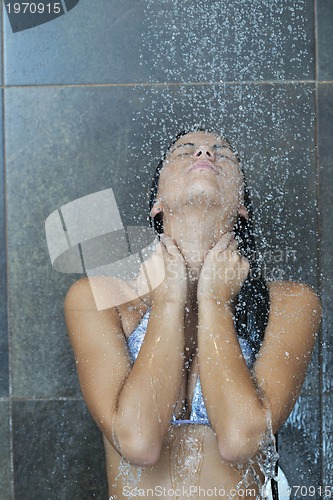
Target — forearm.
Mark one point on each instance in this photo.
(234, 407)
(150, 392)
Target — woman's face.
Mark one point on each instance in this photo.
(201, 169)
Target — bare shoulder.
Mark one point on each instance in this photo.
(106, 294)
(294, 293)
(295, 311)
(82, 293)
(99, 292)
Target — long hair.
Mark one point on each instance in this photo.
(252, 302)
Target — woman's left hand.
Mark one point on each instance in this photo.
(223, 272)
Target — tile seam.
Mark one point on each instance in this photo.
(166, 84)
(318, 206)
(11, 442)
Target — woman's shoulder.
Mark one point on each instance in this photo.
(107, 293)
(104, 291)
(298, 292)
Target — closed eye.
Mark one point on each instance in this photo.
(221, 156)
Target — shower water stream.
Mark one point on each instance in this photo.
(209, 70)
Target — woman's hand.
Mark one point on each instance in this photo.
(164, 274)
(223, 272)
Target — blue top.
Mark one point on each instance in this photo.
(199, 413)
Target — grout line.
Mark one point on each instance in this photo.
(34, 398)
(51, 398)
(319, 269)
(11, 441)
(166, 84)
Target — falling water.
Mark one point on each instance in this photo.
(229, 67)
(266, 457)
(186, 458)
(129, 475)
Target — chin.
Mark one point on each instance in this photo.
(208, 197)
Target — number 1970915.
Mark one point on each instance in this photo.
(34, 8)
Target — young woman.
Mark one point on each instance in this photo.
(218, 352)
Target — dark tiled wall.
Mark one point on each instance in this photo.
(4, 373)
(74, 126)
(325, 115)
(325, 39)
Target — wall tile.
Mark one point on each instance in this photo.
(325, 119)
(4, 373)
(325, 39)
(58, 451)
(1, 52)
(327, 441)
(168, 41)
(6, 480)
(300, 445)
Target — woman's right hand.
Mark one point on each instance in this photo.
(164, 274)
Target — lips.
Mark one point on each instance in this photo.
(203, 165)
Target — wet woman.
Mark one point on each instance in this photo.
(218, 352)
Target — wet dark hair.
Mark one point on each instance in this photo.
(252, 303)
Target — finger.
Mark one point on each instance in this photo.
(233, 245)
(245, 267)
(244, 263)
(169, 244)
(223, 242)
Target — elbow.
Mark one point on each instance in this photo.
(237, 449)
(140, 452)
(239, 446)
(141, 449)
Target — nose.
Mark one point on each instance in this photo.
(204, 152)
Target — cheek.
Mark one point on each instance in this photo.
(232, 186)
(169, 184)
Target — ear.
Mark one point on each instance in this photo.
(243, 212)
(157, 209)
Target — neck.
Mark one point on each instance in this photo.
(196, 230)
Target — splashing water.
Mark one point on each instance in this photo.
(231, 67)
(196, 42)
(266, 458)
(186, 458)
(272, 134)
(129, 474)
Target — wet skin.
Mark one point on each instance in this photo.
(190, 327)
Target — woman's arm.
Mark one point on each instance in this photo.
(133, 408)
(148, 397)
(233, 404)
(236, 408)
